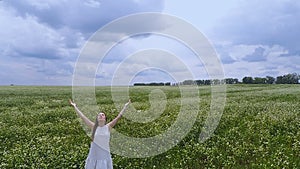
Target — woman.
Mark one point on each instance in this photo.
(99, 154)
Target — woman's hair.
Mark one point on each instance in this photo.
(95, 127)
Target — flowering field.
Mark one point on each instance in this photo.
(260, 128)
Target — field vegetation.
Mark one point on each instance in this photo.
(259, 128)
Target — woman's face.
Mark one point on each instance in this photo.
(101, 117)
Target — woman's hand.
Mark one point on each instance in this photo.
(127, 104)
(72, 103)
(125, 107)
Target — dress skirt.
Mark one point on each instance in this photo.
(98, 158)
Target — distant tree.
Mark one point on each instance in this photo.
(248, 80)
(270, 80)
(279, 80)
(288, 79)
(199, 82)
(153, 84)
(231, 81)
(215, 81)
(259, 80)
(292, 78)
(139, 84)
(235, 81)
(207, 82)
(188, 82)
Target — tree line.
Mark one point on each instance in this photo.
(291, 78)
(153, 84)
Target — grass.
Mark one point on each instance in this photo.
(259, 128)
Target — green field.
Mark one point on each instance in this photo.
(260, 128)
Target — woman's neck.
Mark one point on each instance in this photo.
(101, 123)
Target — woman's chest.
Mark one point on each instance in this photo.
(102, 131)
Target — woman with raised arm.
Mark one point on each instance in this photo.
(99, 156)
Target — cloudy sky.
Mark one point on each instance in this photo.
(41, 40)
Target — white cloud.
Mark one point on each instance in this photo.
(84, 15)
(274, 63)
(40, 40)
(45, 37)
(151, 64)
(266, 22)
(261, 38)
(26, 37)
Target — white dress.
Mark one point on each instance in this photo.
(99, 155)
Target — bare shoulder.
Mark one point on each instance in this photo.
(109, 125)
(91, 125)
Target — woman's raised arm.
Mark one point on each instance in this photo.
(114, 121)
(87, 121)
